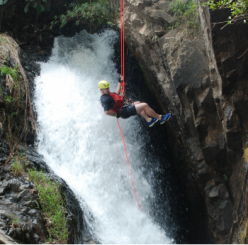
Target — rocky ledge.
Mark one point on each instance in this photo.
(208, 101)
(21, 215)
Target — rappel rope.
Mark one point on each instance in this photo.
(122, 13)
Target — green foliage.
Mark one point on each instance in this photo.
(9, 99)
(225, 177)
(13, 114)
(11, 71)
(39, 5)
(95, 14)
(238, 9)
(154, 38)
(184, 12)
(16, 167)
(15, 221)
(52, 205)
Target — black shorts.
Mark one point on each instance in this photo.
(128, 111)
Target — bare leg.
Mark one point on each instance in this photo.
(136, 102)
(143, 107)
(143, 114)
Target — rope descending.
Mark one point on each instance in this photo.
(129, 168)
(122, 11)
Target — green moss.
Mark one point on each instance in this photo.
(3, 39)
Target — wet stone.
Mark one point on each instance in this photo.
(3, 190)
(24, 195)
(214, 193)
(7, 168)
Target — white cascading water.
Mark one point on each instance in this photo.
(84, 146)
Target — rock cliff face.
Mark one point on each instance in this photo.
(207, 99)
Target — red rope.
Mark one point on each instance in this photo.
(122, 12)
(129, 168)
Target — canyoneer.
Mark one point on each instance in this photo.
(113, 105)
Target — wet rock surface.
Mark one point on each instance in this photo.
(4, 239)
(21, 215)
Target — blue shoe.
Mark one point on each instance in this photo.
(165, 118)
(152, 122)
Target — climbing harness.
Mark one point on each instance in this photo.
(118, 102)
(122, 13)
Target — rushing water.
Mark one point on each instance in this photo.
(84, 146)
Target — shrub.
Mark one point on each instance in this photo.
(16, 167)
(15, 222)
(184, 12)
(52, 205)
(9, 99)
(13, 72)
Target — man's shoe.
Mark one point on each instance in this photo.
(152, 122)
(165, 118)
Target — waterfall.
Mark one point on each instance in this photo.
(84, 146)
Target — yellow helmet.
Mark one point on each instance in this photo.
(103, 84)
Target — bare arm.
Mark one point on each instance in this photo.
(110, 113)
(118, 89)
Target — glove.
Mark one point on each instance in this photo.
(120, 79)
(117, 114)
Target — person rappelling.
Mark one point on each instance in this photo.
(114, 105)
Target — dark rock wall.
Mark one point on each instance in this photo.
(231, 52)
(208, 104)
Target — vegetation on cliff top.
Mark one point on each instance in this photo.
(94, 13)
(185, 12)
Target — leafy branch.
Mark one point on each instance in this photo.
(39, 5)
(238, 9)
